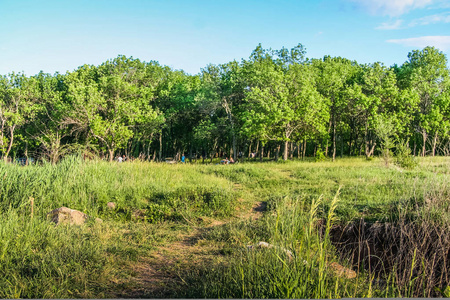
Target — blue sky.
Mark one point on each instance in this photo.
(61, 35)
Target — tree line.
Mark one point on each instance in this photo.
(276, 103)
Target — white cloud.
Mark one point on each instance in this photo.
(441, 42)
(391, 7)
(390, 25)
(433, 19)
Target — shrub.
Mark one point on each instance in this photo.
(320, 156)
(403, 156)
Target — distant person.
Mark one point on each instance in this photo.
(124, 158)
(183, 159)
(231, 161)
(119, 159)
(225, 161)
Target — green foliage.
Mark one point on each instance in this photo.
(320, 155)
(403, 156)
(282, 101)
(387, 135)
(158, 212)
(142, 109)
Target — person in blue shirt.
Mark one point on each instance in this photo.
(183, 158)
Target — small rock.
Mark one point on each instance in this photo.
(69, 216)
(264, 245)
(289, 254)
(342, 271)
(111, 205)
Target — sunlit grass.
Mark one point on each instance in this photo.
(157, 201)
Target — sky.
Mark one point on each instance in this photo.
(59, 35)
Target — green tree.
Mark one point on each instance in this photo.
(108, 103)
(177, 100)
(332, 77)
(282, 100)
(372, 92)
(49, 125)
(385, 130)
(426, 73)
(16, 94)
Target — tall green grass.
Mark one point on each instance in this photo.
(156, 201)
(41, 260)
(271, 272)
(293, 222)
(89, 186)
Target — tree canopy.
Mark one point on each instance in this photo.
(275, 103)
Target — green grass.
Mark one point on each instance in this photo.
(271, 273)
(156, 202)
(89, 186)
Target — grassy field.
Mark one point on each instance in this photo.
(183, 230)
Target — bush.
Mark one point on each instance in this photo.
(320, 156)
(403, 156)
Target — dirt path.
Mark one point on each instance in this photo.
(156, 276)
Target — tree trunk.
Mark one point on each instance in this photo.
(160, 146)
(111, 154)
(234, 146)
(2, 146)
(148, 150)
(372, 149)
(262, 153)
(285, 154)
(250, 151)
(11, 132)
(329, 130)
(26, 153)
(334, 138)
(277, 153)
(257, 148)
(424, 135)
(434, 143)
(291, 154)
(298, 150)
(304, 149)
(366, 141)
(230, 118)
(350, 143)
